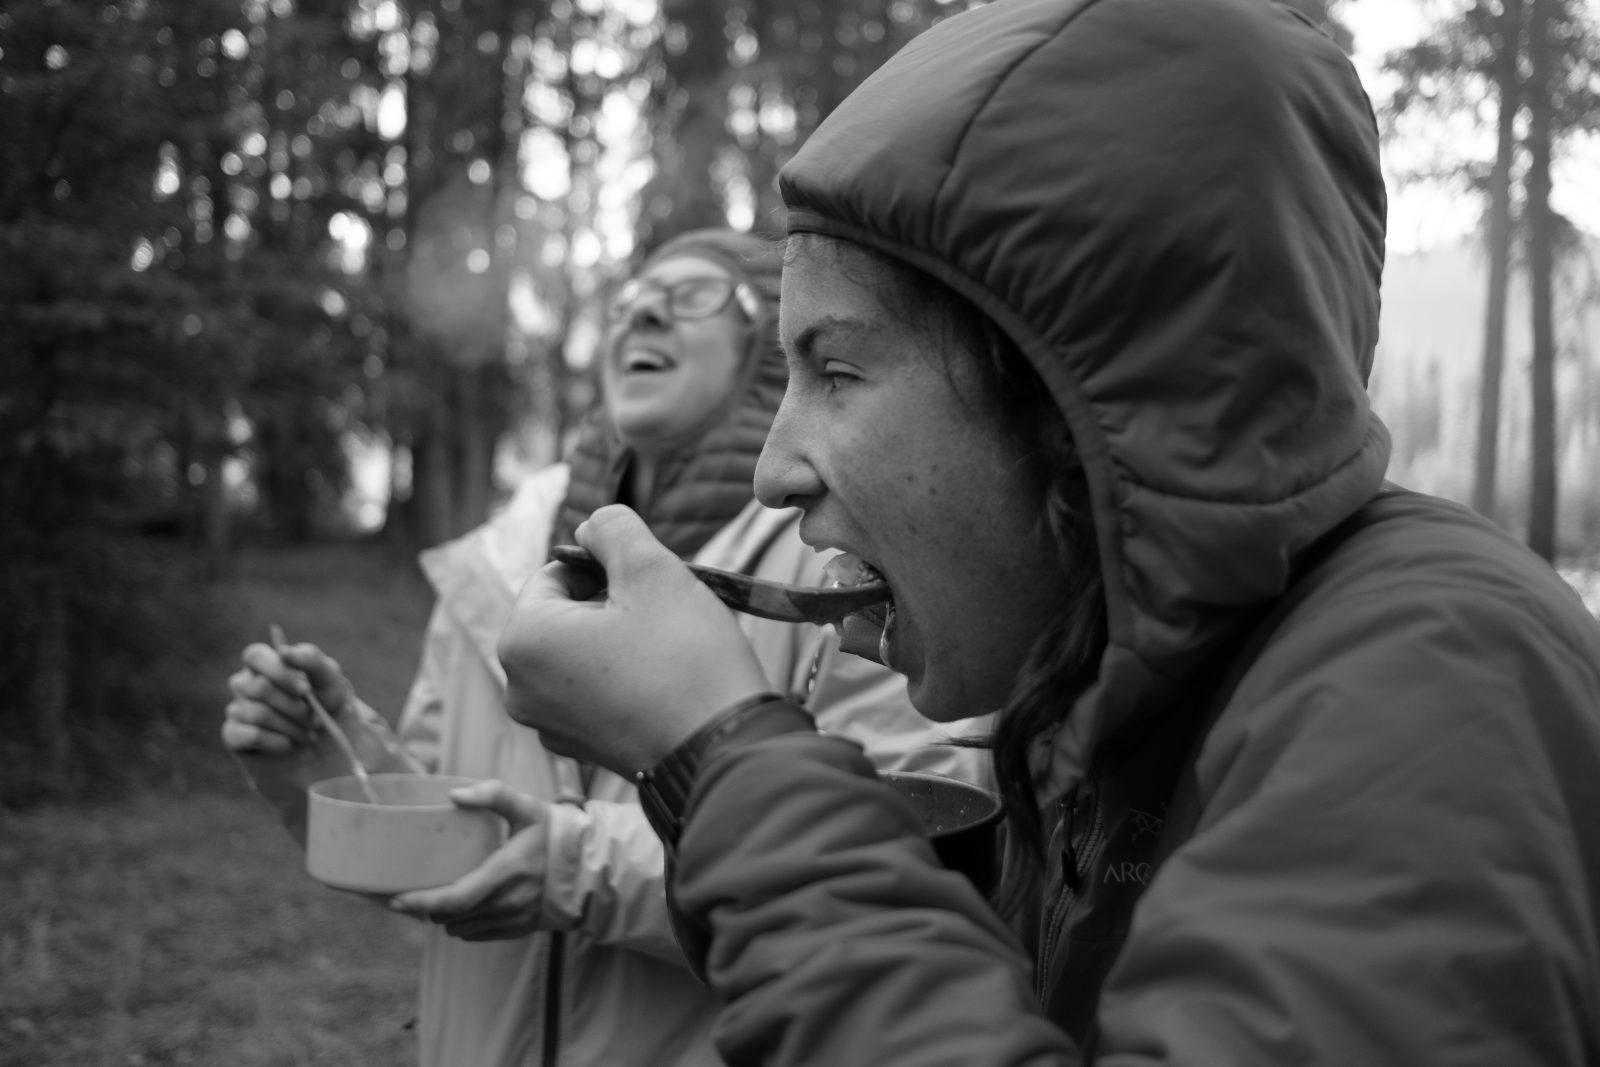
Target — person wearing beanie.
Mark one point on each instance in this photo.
(559, 949)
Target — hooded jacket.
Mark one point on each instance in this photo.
(1330, 799)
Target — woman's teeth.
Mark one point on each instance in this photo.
(849, 570)
(636, 362)
(864, 633)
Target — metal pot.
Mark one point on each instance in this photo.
(960, 819)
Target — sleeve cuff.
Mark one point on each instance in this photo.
(664, 788)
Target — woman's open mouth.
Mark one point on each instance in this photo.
(865, 633)
(639, 360)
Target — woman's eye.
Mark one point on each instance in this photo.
(837, 374)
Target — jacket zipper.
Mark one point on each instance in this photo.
(552, 1000)
(1076, 861)
(558, 939)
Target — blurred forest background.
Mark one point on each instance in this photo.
(280, 272)
(292, 288)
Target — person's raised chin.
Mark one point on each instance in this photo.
(672, 368)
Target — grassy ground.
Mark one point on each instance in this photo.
(177, 926)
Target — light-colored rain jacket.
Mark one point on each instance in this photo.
(1385, 849)
(611, 988)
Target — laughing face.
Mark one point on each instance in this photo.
(668, 378)
(888, 442)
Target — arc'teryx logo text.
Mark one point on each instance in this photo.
(1126, 873)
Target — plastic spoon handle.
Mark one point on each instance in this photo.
(340, 738)
(757, 596)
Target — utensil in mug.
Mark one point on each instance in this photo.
(275, 633)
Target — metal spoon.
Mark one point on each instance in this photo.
(275, 632)
(757, 596)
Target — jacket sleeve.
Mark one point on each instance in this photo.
(605, 872)
(835, 936)
(605, 876)
(1384, 870)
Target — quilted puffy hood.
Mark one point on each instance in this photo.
(1175, 209)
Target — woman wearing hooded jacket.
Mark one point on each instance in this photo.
(558, 949)
(1301, 768)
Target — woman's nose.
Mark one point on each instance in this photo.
(785, 477)
(649, 311)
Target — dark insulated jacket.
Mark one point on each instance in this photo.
(1384, 848)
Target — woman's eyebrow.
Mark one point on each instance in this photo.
(828, 327)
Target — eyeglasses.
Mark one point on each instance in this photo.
(687, 298)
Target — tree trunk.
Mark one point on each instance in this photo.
(413, 522)
(685, 179)
(215, 530)
(49, 691)
(683, 194)
(477, 432)
(1499, 249)
(208, 433)
(1541, 266)
(402, 523)
(482, 382)
(432, 468)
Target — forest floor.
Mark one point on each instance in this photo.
(177, 925)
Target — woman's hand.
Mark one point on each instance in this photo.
(268, 712)
(504, 896)
(622, 680)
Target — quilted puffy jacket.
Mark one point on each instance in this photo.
(1384, 846)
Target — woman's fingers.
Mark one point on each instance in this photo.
(261, 716)
(505, 913)
(246, 737)
(513, 924)
(294, 672)
(321, 671)
(268, 711)
(507, 887)
(623, 680)
(250, 686)
(518, 809)
(463, 897)
(623, 544)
